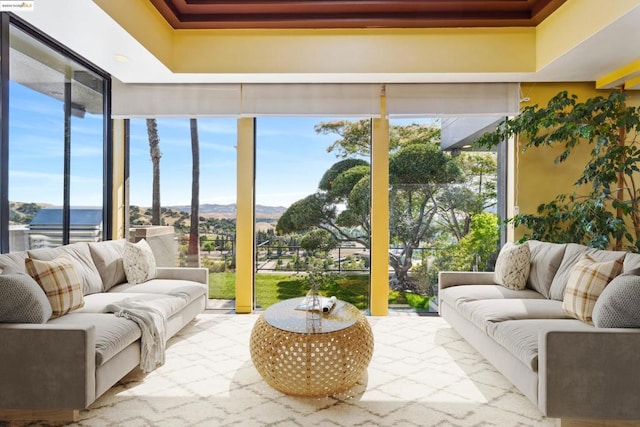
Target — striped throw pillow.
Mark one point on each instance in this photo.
(587, 280)
(60, 282)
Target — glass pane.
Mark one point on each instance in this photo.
(87, 155)
(36, 142)
(217, 138)
(441, 212)
(303, 224)
(41, 81)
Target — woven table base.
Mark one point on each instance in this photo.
(311, 364)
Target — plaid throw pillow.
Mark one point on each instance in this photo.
(60, 282)
(587, 280)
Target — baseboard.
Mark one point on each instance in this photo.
(49, 415)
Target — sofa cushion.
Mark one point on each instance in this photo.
(455, 295)
(13, 260)
(113, 333)
(22, 300)
(512, 266)
(80, 254)
(521, 337)
(572, 255)
(167, 305)
(487, 313)
(587, 281)
(618, 306)
(632, 263)
(60, 282)
(545, 260)
(139, 262)
(175, 287)
(107, 256)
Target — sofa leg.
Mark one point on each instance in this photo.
(51, 415)
(575, 422)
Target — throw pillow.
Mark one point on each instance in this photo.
(139, 262)
(60, 282)
(107, 256)
(22, 300)
(587, 280)
(512, 266)
(618, 306)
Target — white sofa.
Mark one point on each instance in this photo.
(569, 368)
(54, 369)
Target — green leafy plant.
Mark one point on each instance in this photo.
(606, 212)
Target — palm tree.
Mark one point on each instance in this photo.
(193, 253)
(154, 150)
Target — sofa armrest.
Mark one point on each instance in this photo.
(45, 366)
(195, 274)
(589, 374)
(454, 278)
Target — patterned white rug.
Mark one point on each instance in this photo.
(422, 374)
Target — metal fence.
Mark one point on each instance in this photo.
(289, 258)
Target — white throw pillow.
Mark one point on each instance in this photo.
(139, 262)
(512, 266)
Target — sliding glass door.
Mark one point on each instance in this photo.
(57, 146)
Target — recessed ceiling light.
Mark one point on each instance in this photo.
(121, 58)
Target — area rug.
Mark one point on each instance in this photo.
(422, 374)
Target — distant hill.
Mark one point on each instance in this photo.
(225, 211)
(23, 213)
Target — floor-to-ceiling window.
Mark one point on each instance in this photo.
(55, 136)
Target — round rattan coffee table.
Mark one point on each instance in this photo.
(309, 353)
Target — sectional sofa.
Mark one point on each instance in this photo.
(572, 367)
(52, 365)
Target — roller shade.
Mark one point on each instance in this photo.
(139, 100)
(354, 100)
(345, 100)
(453, 99)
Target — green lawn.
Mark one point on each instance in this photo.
(271, 288)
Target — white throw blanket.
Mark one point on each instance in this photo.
(153, 327)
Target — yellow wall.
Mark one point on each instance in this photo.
(537, 179)
(355, 51)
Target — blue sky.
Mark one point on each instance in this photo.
(290, 156)
(290, 160)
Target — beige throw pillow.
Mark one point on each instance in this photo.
(60, 282)
(139, 262)
(587, 280)
(512, 266)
